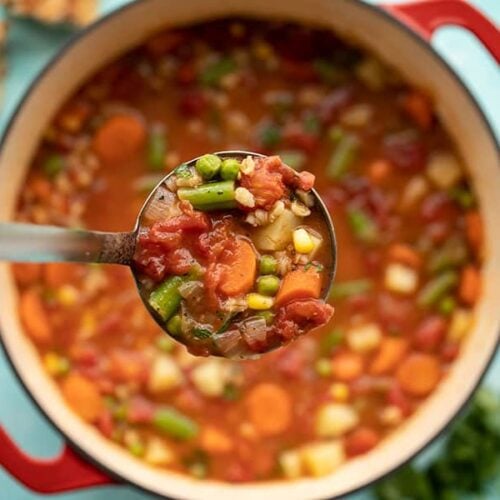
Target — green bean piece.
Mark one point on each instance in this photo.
(343, 157)
(331, 340)
(267, 315)
(166, 299)
(268, 285)
(213, 73)
(175, 424)
(363, 226)
(268, 265)
(230, 169)
(437, 288)
(451, 255)
(447, 305)
(208, 195)
(53, 165)
(157, 147)
(214, 207)
(174, 325)
(294, 159)
(208, 166)
(346, 289)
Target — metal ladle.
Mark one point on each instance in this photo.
(21, 242)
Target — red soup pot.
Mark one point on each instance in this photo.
(397, 34)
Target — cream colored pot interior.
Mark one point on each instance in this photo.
(389, 40)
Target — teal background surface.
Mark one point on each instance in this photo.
(30, 47)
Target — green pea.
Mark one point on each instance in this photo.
(164, 342)
(174, 325)
(53, 164)
(208, 166)
(267, 315)
(136, 448)
(323, 367)
(447, 305)
(268, 285)
(229, 169)
(268, 265)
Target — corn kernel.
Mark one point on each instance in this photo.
(67, 295)
(55, 365)
(259, 302)
(339, 392)
(461, 322)
(302, 241)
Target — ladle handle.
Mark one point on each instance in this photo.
(35, 243)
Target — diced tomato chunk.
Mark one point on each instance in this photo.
(360, 441)
(430, 333)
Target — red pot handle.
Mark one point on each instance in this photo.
(67, 471)
(425, 16)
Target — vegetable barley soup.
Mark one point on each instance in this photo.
(409, 247)
(196, 255)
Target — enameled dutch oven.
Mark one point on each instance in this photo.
(399, 34)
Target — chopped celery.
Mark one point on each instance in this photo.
(345, 289)
(343, 157)
(165, 299)
(362, 225)
(175, 424)
(437, 288)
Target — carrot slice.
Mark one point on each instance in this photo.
(299, 284)
(215, 441)
(269, 409)
(405, 254)
(239, 277)
(27, 274)
(347, 366)
(470, 285)
(83, 396)
(419, 374)
(474, 231)
(34, 317)
(379, 170)
(390, 352)
(119, 137)
(57, 274)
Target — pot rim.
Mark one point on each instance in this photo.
(373, 9)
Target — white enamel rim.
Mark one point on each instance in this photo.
(393, 43)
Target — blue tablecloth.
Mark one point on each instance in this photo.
(30, 46)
